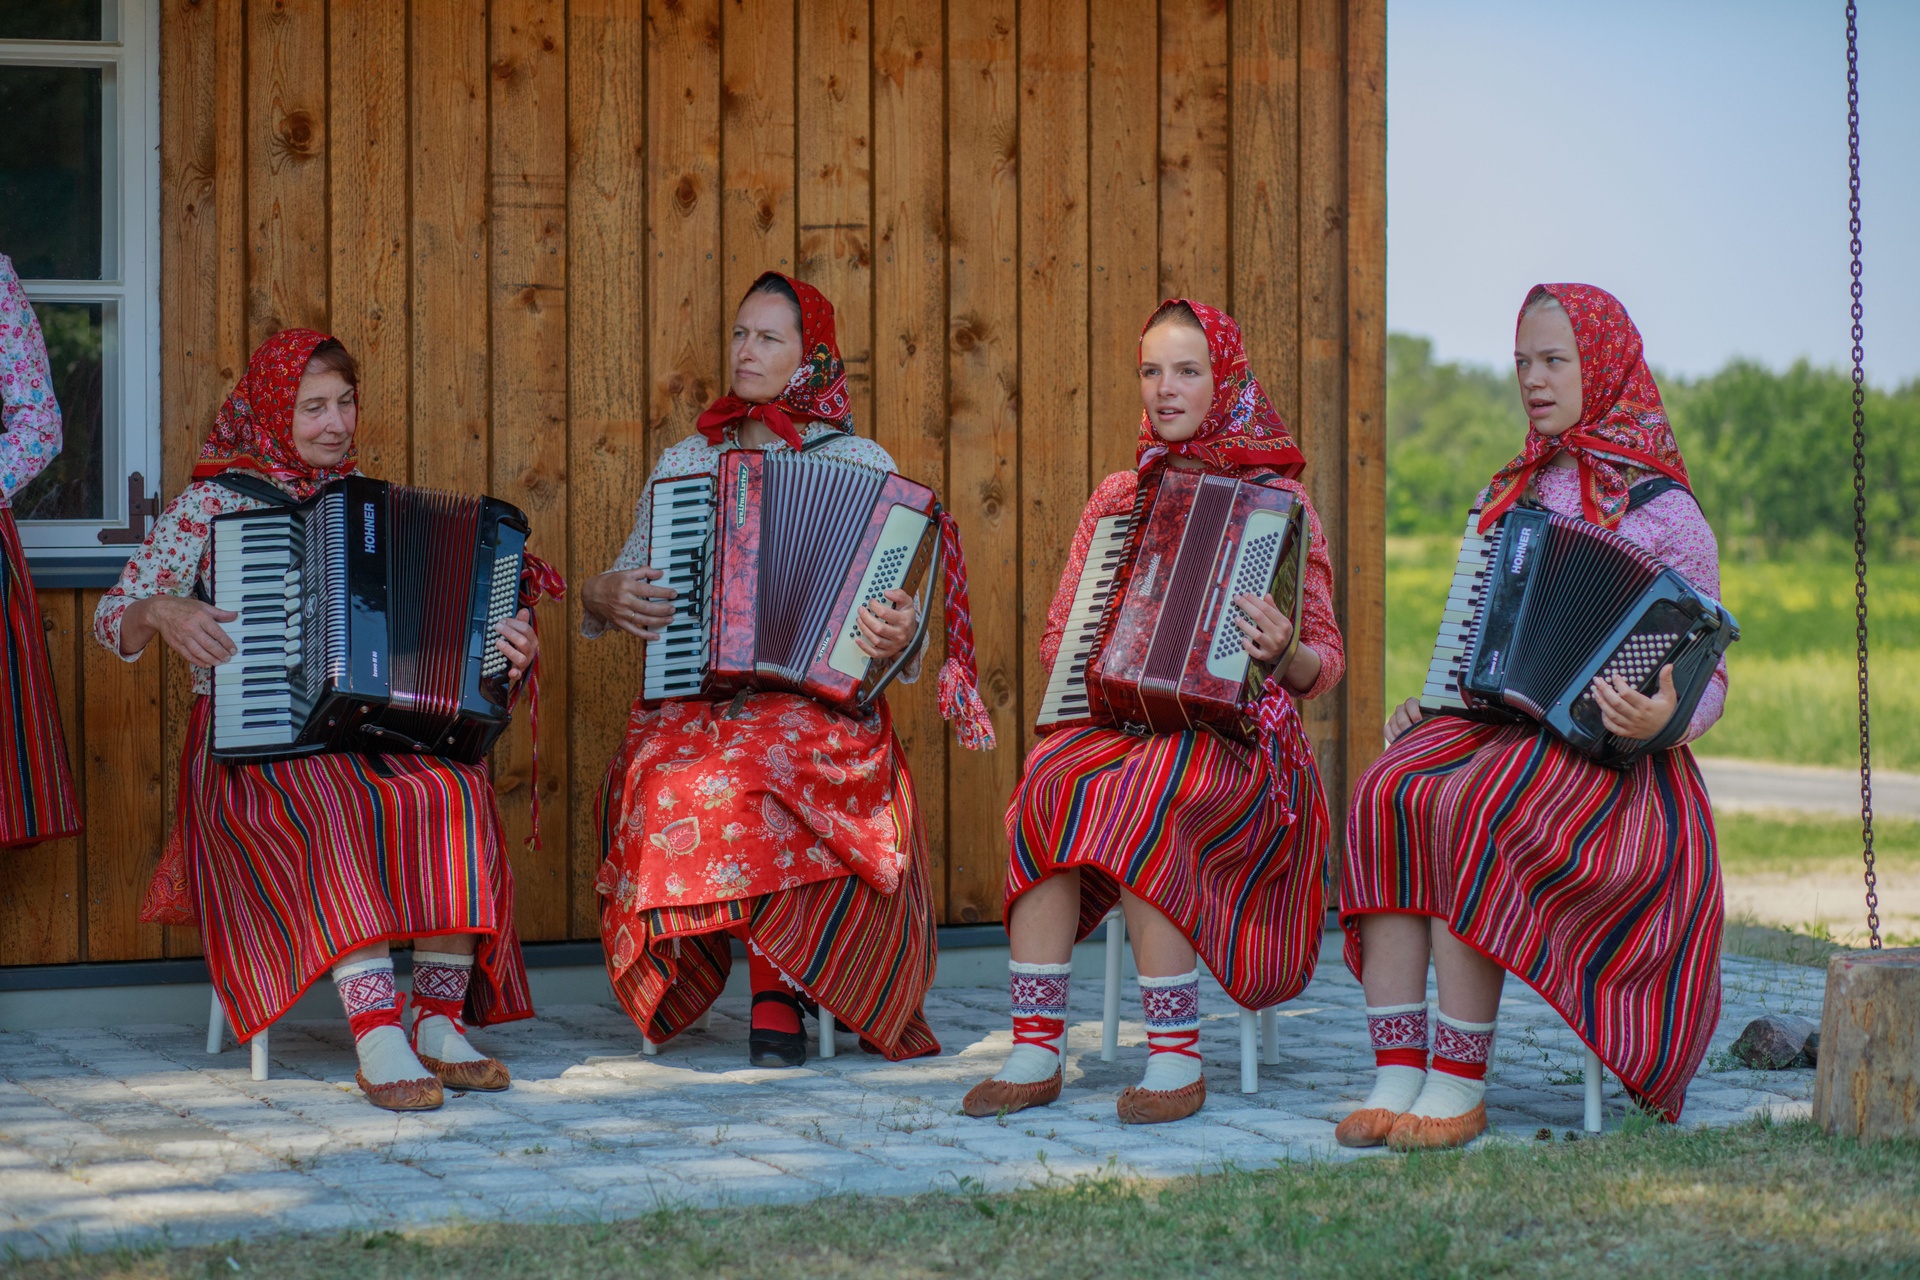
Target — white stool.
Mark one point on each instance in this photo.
(217, 1034)
(651, 1050)
(1594, 1075)
(1250, 1058)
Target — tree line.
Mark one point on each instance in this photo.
(1770, 452)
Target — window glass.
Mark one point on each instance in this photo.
(72, 487)
(50, 170)
(51, 20)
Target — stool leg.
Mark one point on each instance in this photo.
(1594, 1076)
(705, 1021)
(1110, 1014)
(259, 1043)
(826, 1032)
(1249, 1063)
(216, 1026)
(648, 1049)
(1269, 1038)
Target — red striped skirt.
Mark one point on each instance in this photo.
(866, 955)
(1182, 821)
(287, 866)
(36, 790)
(1599, 888)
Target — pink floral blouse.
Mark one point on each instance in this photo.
(32, 437)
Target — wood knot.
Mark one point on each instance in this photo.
(296, 134)
(686, 193)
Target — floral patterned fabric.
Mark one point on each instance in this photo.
(817, 390)
(1622, 428)
(32, 438)
(254, 428)
(1242, 429)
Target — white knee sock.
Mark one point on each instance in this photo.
(1039, 998)
(1398, 1033)
(441, 977)
(1172, 1009)
(1458, 1081)
(373, 1010)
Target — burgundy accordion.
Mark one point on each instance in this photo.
(1150, 645)
(772, 558)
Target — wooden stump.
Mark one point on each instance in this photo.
(1868, 1086)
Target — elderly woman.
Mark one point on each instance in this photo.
(1496, 848)
(36, 791)
(295, 868)
(770, 817)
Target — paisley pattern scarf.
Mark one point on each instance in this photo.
(254, 429)
(817, 390)
(1242, 430)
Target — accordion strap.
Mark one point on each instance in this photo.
(249, 485)
(1647, 490)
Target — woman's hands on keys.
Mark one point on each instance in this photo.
(1265, 631)
(1628, 713)
(631, 600)
(190, 627)
(1404, 717)
(885, 629)
(518, 643)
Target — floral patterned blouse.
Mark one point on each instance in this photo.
(175, 556)
(32, 437)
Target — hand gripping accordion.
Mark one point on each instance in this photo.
(1542, 604)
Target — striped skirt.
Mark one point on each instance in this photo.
(287, 866)
(1599, 888)
(866, 956)
(1182, 821)
(36, 790)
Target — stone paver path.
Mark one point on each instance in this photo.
(112, 1136)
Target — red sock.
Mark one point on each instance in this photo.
(770, 1015)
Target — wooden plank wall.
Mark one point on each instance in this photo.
(531, 221)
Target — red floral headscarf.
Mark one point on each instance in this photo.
(1622, 423)
(817, 390)
(254, 429)
(1242, 430)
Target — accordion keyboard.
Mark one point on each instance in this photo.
(1459, 621)
(1066, 696)
(263, 692)
(681, 547)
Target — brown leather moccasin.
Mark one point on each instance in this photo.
(998, 1097)
(488, 1075)
(403, 1095)
(1423, 1133)
(1157, 1106)
(1367, 1127)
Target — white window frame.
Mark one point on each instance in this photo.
(69, 552)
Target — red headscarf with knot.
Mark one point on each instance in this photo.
(254, 428)
(1622, 423)
(1242, 429)
(817, 390)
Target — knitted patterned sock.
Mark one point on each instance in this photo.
(1399, 1036)
(373, 1011)
(1172, 1008)
(1458, 1079)
(770, 1015)
(1038, 994)
(439, 998)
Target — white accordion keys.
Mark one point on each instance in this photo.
(1459, 622)
(257, 564)
(681, 547)
(1066, 696)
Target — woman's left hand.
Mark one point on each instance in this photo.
(1265, 631)
(1628, 713)
(885, 629)
(518, 641)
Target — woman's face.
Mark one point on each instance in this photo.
(765, 349)
(325, 414)
(1176, 380)
(1546, 360)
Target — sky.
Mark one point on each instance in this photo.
(1690, 156)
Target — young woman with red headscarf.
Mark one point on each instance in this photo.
(770, 817)
(1208, 845)
(1493, 848)
(295, 868)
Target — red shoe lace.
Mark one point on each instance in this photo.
(1181, 1042)
(1041, 1030)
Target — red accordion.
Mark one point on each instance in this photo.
(772, 558)
(1150, 645)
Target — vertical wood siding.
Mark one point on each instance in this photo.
(531, 221)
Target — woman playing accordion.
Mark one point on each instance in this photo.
(1496, 848)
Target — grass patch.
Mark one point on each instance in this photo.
(1792, 691)
(1784, 946)
(1786, 843)
(1756, 1200)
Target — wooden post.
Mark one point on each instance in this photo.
(1868, 1086)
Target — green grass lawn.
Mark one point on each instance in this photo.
(1791, 675)
(1753, 1201)
(1795, 843)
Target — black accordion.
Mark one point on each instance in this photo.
(1542, 604)
(367, 617)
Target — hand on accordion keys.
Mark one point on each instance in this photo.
(632, 600)
(518, 643)
(1628, 713)
(884, 630)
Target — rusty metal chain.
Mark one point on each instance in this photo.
(1860, 474)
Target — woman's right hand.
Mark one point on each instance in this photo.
(190, 627)
(631, 600)
(1404, 717)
